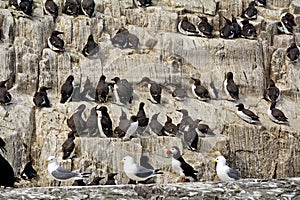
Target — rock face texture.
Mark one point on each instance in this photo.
(267, 150)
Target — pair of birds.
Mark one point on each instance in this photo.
(124, 39)
(232, 29)
(203, 28)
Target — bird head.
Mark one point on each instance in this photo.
(51, 159)
(219, 159)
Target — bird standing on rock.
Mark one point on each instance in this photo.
(56, 43)
(40, 98)
(248, 30)
(205, 29)
(246, 115)
(51, 8)
(187, 28)
(155, 90)
(199, 91)
(286, 24)
(66, 90)
(88, 7)
(224, 172)
(273, 92)
(68, 147)
(5, 96)
(277, 115)
(231, 89)
(91, 49)
(76, 122)
(251, 12)
(102, 90)
(71, 7)
(292, 52)
(28, 172)
(104, 122)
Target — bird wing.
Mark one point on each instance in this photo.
(251, 114)
(143, 172)
(64, 174)
(201, 91)
(68, 146)
(188, 170)
(233, 173)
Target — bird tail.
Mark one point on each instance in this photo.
(86, 175)
(156, 171)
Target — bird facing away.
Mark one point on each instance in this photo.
(251, 12)
(224, 172)
(231, 89)
(155, 90)
(5, 96)
(246, 115)
(40, 98)
(68, 147)
(88, 7)
(91, 48)
(180, 166)
(123, 91)
(292, 52)
(277, 115)
(56, 43)
(205, 29)
(155, 126)
(179, 93)
(169, 128)
(92, 123)
(26, 6)
(273, 92)
(104, 122)
(60, 173)
(102, 90)
(76, 123)
(28, 172)
(186, 28)
(137, 172)
(51, 8)
(236, 27)
(66, 90)
(124, 124)
(71, 7)
(7, 174)
(111, 179)
(248, 30)
(199, 91)
(2, 145)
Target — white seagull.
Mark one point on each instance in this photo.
(224, 172)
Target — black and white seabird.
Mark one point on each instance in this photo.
(89, 91)
(154, 89)
(262, 3)
(14, 4)
(185, 121)
(180, 166)
(287, 21)
(248, 30)
(273, 92)
(236, 27)
(204, 130)
(68, 147)
(132, 127)
(78, 183)
(26, 6)
(191, 136)
(122, 92)
(92, 123)
(91, 49)
(88, 7)
(143, 3)
(111, 179)
(227, 31)
(28, 172)
(205, 29)
(7, 174)
(186, 28)
(104, 122)
(71, 7)
(246, 114)
(66, 90)
(124, 123)
(2, 145)
(51, 8)
(155, 126)
(231, 89)
(76, 122)
(169, 128)
(102, 90)
(40, 98)
(137, 172)
(5, 96)
(179, 93)
(56, 43)
(224, 172)
(124, 39)
(143, 120)
(251, 12)
(199, 91)
(292, 52)
(277, 115)
(96, 181)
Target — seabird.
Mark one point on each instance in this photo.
(88, 93)
(7, 174)
(66, 90)
(143, 3)
(227, 31)
(143, 120)
(199, 91)
(204, 130)
(51, 8)
(262, 3)
(96, 181)
(88, 7)
(179, 93)
(40, 98)
(92, 123)
(26, 6)
(191, 135)
(60, 173)
(91, 49)
(137, 172)
(246, 114)
(154, 89)
(123, 39)
(231, 89)
(292, 52)
(180, 166)
(205, 29)
(71, 7)
(68, 147)
(248, 30)
(124, 123)
(277, 115)
(132, 127)
(224, 172)
(111, 179)
(286, 23)
(14, 4)
(169, 128)
(273, 92)
(28, 172)
(76, 123)
(155, 126)
(251, 12)
(104, 122)
(79, 183)
(236, 27)
(5, 96)
(185, 121)
(2, 145)
(56, 43)
(123, 91)
(102, 90)
(187, 28)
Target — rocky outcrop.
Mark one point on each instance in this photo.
(267, 150)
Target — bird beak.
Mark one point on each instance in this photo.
(121, 161)
(168, 151)
(214, 160)
(46, 161)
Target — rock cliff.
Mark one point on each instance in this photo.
(265, 151)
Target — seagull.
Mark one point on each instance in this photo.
(273, 92)
(56, 43)
(199, 91)
(180, 166)
(292, 52)
(66, 90)
(137, 172)
(91, 49)
(154, 90)
(40, 98)
(28, 172)
(224, 172)
(231, 89)
(246, 115)
(60, 173)
(251, 12)
(5, 96)
(277, 115)
(2, 145)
